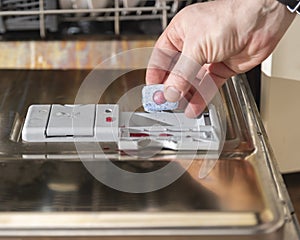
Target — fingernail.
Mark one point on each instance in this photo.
(172, 94)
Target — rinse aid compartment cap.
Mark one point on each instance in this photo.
(130, 130)
(70, 123)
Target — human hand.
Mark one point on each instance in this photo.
(226, 37)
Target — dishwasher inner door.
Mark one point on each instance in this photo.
(47, 190)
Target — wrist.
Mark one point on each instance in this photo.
(292, 5)
(268, 17)
(257, 8)
(271, 8)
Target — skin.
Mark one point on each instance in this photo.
(213, 41)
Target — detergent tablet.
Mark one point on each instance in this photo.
(154, 100)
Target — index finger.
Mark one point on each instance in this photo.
(160, 64)
(163, 58)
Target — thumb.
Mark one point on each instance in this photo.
(181, 77)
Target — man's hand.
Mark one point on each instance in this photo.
(225, 37)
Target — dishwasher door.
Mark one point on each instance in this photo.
(46, 191)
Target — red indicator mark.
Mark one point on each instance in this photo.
(165, 135)
(139, 135)
(109, 119)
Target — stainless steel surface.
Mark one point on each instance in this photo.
(46, 191)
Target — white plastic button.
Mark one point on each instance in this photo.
(76, 120)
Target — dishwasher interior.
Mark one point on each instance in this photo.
(59, 18)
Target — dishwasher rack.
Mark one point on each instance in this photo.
(44, 15)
